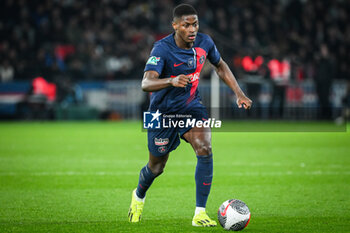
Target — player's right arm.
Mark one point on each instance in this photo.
(155, 66)
(151, 81)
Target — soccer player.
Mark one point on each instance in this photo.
(172, 75)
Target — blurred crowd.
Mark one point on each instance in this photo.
(111, 39)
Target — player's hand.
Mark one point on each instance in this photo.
(180, 81)
(244, 101)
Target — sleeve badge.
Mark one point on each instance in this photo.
(153, 60)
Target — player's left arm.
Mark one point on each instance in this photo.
(226, 75)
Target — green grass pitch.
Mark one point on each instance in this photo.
(78, 177)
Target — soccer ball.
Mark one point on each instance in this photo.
(233, 215)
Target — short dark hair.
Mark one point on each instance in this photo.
(183, 9)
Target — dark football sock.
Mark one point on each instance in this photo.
(145, 180)
(203, 176)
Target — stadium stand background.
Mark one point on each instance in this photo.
(93, 43)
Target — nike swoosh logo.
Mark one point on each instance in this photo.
(176, 65)
(224, 213)
(206, 183)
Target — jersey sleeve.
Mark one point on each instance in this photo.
(213, 54)
(156, 59)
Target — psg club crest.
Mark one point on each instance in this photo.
(162, 149)
(151, 120)
(201, 59)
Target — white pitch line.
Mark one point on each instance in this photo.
(75, 173)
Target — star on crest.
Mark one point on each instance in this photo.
(156, 115)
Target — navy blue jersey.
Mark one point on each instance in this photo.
(169, 60)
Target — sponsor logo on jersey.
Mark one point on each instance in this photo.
(161, 141)
(193, 77)
(153, 60)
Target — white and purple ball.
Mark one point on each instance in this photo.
(233, 215)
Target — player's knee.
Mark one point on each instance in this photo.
(157, 169)
(203, 149)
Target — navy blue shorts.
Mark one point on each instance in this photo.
(165, 140)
